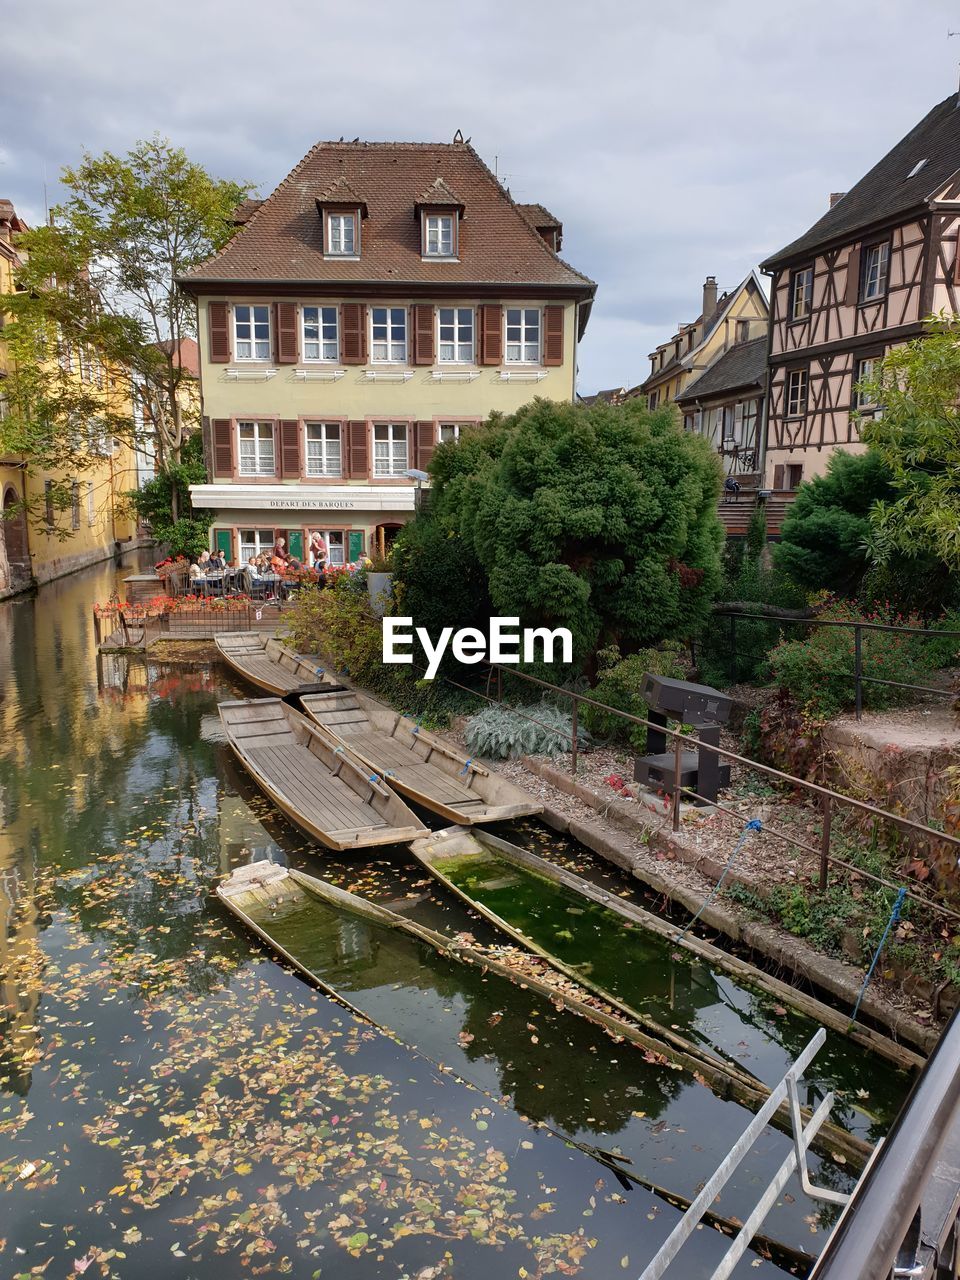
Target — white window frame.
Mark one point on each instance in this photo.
(524, 343)
(327, 321)
(464, 350)
(876, 271)
(260, 438)
(393, 463)
(395, 349)
(439, 228)
(330, 453)
(337, 239)
(262, 541)
(801, 290)
(253, 341)
(858, 374)
(454, 427)
(796, 392)
(336, 552)
(74, 505)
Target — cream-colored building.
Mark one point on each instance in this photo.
(95, 524)
(384, 298)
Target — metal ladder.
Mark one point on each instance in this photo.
(796, 1161)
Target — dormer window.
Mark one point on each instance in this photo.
(440, 236)
(342, 235)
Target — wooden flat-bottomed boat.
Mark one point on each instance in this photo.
(416, 763)
(267, 663)
(319, 785)
(275, 903)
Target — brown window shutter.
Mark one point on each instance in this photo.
(491, 334)
(358, 453)
(353, 337)
(852, 294)
(290, 449)
(218, 318)
(553, 335)
(423, 335)
(425, 436)
(778, 476)
(222, 446)
(286, 327)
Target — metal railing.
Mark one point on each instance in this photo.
(857, 674)
(902, 1218)
(828, 800)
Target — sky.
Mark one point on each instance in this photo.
(673, 141)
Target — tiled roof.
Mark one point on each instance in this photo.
(245, 211)
(439, 193)
(539, 216)
(283, 240)
(339, 192)
(888, 189)
(743, 365)
(614, 396)
(188, 356)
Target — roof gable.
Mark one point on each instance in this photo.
(742, 365)
(895, 185)
(282, 241)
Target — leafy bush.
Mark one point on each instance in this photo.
(619, 686)
(503, 732)
(818, 670)
(169, 490)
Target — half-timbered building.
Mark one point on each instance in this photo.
(384, 298)
(864, 277)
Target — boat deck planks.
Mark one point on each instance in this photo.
(324, 788)
(415, 762)
(266, 662)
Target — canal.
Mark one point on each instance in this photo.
(174, 1103)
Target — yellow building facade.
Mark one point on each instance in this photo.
(383, 299)
(52, 541)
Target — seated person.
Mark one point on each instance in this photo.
(197, 570)
(217, 561)
(280, 550)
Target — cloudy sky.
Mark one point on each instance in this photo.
(673, 140)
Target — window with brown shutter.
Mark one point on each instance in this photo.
(222, 446)
(424, 433)
(357, 452)
(218, 319)
(290, 449)
(852, 292)
(286, 326)
(491, 334)
(778, 476)
(353, 336)
(552, 335)
(423, 335)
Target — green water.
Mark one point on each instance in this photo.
(657, 978)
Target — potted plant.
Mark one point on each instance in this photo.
(380, 583)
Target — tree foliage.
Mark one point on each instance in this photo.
(169, 492)
(98, 318)
(824, 544)
(918, 437)
(601, 519)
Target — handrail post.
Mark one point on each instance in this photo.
(858, 667)
(825, 844)
(677, 767)
(574, 734)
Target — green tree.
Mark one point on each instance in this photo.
(97, 292)
(918, 437)
(601, 519)
(825, 537)
(169, 492)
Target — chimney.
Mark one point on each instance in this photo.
(835, 196)
(709, 296)
(6, 218)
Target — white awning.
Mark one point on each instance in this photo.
(302, 497)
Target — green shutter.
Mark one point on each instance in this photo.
(295, 542)
(224, 539)
(355, 545)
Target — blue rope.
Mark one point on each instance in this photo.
(894, 917)
(467, 765)
(753, 825)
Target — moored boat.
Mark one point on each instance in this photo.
(267, 663)
(417, 763)
(319, 785)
